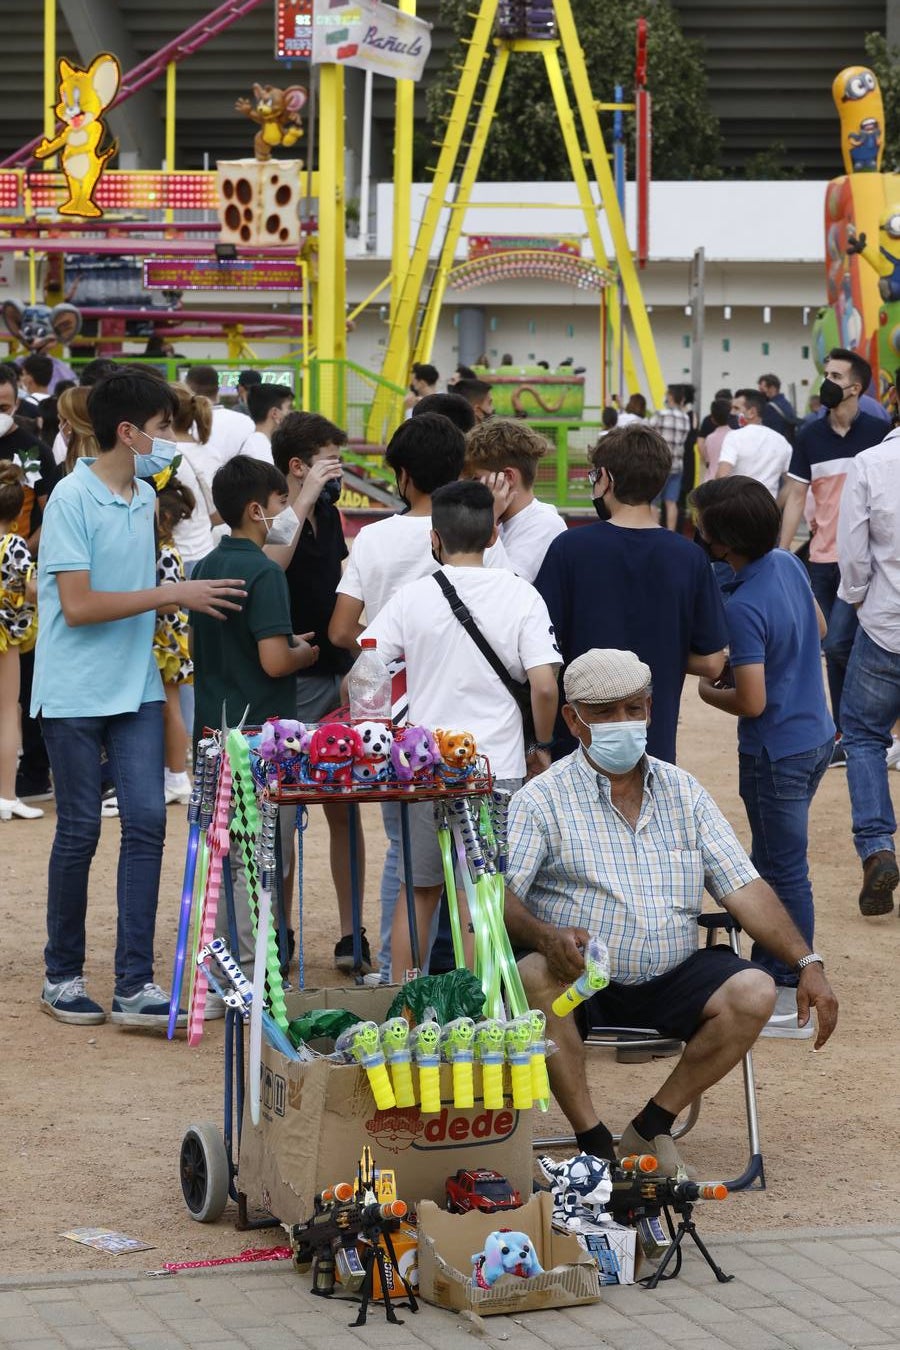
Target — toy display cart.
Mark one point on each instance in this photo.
(209, 1157)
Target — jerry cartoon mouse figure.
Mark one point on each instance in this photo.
(83, 96)
(277, 114)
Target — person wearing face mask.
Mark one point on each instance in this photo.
(307, 449)
(97, 688)
(33, 457)
(820, 457)
(251, 661)
(615, 844)
(774, 686)
(627, 582)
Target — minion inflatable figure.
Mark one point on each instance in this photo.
(857, 97)
(886, 258)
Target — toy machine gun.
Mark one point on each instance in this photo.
(329, 1241)
(639, 1198)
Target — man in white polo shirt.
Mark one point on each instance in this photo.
(754, 449)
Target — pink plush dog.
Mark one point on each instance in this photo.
(332, 750)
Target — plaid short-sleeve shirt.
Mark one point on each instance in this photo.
(574, 861)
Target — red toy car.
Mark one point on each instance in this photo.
(480, 1189)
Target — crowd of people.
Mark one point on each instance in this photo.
(191, 557)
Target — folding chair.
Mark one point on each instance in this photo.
(648, 1038)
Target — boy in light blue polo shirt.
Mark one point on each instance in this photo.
(97, 687)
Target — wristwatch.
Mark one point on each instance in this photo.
(542, 745)
(811, 958)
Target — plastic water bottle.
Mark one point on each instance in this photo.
(369, 686)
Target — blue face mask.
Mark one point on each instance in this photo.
(616, 746)
(161, 455)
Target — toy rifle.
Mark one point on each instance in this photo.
(639, 1199)
(328, 1242)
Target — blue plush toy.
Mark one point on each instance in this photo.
(505, 1253)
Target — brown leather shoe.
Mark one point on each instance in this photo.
(880, 878)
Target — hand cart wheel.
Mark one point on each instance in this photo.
(205, 1172)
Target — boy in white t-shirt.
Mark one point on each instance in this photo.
(451, 685)
(508, 452)
(425, 452)
(268, 405)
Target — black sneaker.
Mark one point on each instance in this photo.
(343, 955)
(67, 1001)
(33, 789)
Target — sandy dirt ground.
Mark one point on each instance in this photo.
(93, 1117)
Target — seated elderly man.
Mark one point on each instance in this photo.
(611, 843)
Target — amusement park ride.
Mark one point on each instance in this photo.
(271, 224)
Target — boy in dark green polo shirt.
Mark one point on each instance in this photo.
(253, 656)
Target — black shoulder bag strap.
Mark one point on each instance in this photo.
(464, 615)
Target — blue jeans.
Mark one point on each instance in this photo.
(134, 745)
(842, 625)
(870, 706)
(776, 794)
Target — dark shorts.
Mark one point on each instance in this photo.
(672, 1003)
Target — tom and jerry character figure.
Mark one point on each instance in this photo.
(277, 114)
(83, 97)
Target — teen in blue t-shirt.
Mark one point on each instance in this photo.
(97, 687)
(625, 582)
(774, 686)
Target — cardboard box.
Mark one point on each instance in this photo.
(447, 1243)
(316, 1118)
(613, 1248)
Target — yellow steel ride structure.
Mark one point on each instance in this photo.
(412, 328)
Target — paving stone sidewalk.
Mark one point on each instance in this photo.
(809, 1289)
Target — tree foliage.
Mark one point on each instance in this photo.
(885, 61)
(526, 143)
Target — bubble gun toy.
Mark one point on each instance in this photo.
(518, 1037)
(361, 1043)
(540, 1083)
(458, 1046)
(426, 1045)
(394, 1036)
(595, 977)
(489, 1045)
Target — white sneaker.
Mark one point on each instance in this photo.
(109, 806)
(177, 788)
(11, 806)
(892, 754)
(783, 1022)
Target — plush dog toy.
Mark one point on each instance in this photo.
(414, 755)
(505, 1253)
(331, 752)
(456, 751)
(373, 765)
(282, 741)
(581, 1188)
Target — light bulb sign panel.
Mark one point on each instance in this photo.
(371, 36)
(293, 30)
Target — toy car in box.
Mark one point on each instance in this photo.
(480, 1189)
